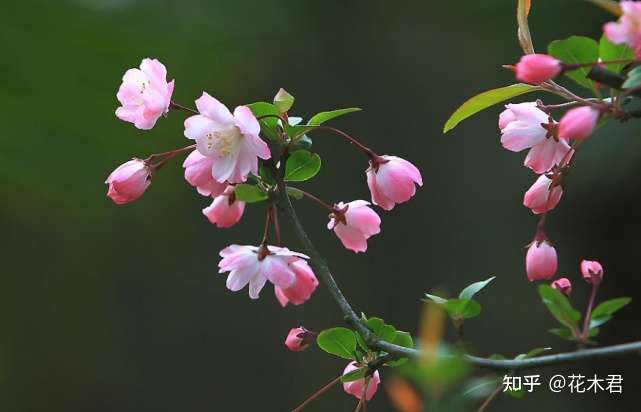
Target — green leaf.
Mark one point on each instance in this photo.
(462, 308)
(249, 193)
(268, 125)
(403, 339)
(295, 132)
(484, 100)
(266, 175)
(563, 333)
(361, 342)
(576, 50)
(609, 51)
(559, 305)
(375, 325)
(354, 375)
(609, 307)
(596, 322)
(295, 193)
(536, 352)
(302, 165)
(518, 394)
(322, 117)
(436, 299)
(338, 341)
(283, 100)
(474, 288)
(634, 79)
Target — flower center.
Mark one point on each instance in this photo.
(223, 142)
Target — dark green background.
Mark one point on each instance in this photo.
(107, 308)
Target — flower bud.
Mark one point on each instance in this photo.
(225, 211)
(298, 339)
(302, 288)
(357, 387)
(592, 271)
(354, 223)
(537, 68)
(129, 181)
(539, 198)
(540, 261)
(392, 180)
(563, 285)
(578, 123)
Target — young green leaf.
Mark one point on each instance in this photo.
(576, 50)
(354, 375)
(609, 51)
(268, 123)
(462, 308)
(295, 193)
(283, 100)
(403, 339)
(634, 79)
(609, 307)
(563, 333)
(302, 165)
(474, 288)
(436, 299)
(560, 307)
(295, 132)
(375, 325)
(536, 352)
(338, 341)
(249, 193)
(322, 117)
(484, 100)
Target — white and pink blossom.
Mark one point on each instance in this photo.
(354, 223)
(144, 94)
(628, 28)
(392, 180)
(198, 174)
(540, 197)
(254, 266)
(225, 211)
(302, 288)
(231, 140)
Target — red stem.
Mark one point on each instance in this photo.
(181, 108)
(316, 394)
(352, 140)
(588, 312)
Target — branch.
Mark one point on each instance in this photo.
(322, 271)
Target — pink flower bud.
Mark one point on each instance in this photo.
(539, 198)
(578, 123)
(592, 271)
(392, 180)
(540, 261)
(129, 181)
(563, 285)
(298, 339)
(365, 386)
(198, 174)
(537, 68)
(144, 94)
(225, 210)
(302, 288)
(354, 223)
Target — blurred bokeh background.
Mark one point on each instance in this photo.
(106, 308)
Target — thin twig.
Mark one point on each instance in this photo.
(490, 398)
(317, 394)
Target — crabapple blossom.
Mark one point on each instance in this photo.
(198, 174)
(231, 140)
(302, 288)
(537, 68)
(357, 388)
(225, 210)
(525, 126)
(144, 94)
(592, 271)
(354, 223)
(256, 265)
(628, 28)
(298, 339)
(540, 198)
(563, 285)
(540, 261)
(578, 123)
(129, 181)
(392, 180)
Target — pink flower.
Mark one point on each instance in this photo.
(129, 181)
(522, 127)
(540, 198)
(302, 288)
(592, 271)
(391, 180)
(628, 29)
(198, 174)
(144, 94)
(540, 261)
(578, 123)
(255, 265)
(298, 339)
(230, 140)
(563, 285)
(537, 68)
(225, 210)
(366, 385)
(354, 223)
